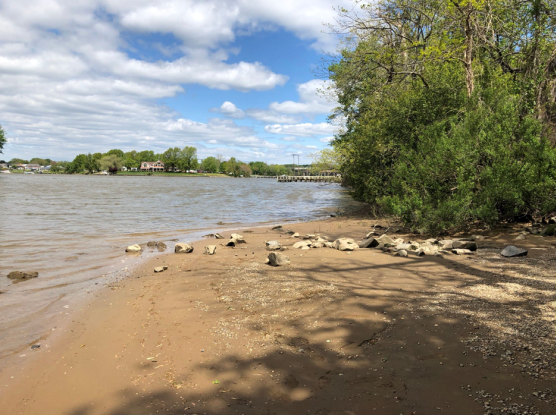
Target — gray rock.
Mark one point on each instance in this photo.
(134, 248)
(301, 244)
(159, 269)
(402, 253)
(460, 251)
(20, 276)
(273, 246)
(512, 251)
(470, 245)
(369, 243)
(532, 231)
(210, 249)
(289, 232)
(183, 249)
(385, 239)
(345, 244)
(277, 259)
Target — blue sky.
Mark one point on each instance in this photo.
(230, 77)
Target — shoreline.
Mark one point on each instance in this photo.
(357, 330)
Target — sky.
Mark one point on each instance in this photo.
(230, 77)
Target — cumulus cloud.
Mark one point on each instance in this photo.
(230, 109)
(301, 130)
(314, 98)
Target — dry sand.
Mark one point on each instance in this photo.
(361, 332)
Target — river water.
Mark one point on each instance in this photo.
(73, 230)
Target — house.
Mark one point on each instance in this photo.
(134, 169)
(124, 168)
(3, 166)
(152, 166)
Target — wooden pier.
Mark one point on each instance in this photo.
(316, 179)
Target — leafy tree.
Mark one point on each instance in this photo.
(223, 166)
(77, 165)
(115, 152)
(244, 170)
(147, 155)
(39, 161)
(18, 161)
(210, 164)
(91, 164)
(111, 163)
(188, 159)
(326, 159)
(3, 139)
(171, 158)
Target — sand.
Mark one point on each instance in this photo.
(362, 332)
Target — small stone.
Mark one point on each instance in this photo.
(369, 243)
(277, 259)
(218, 236)
(210, 250)
(520, 238)
(134, 248)
(345, 244)
(511, 252)
(183, 249)
(159, 269)
(273, 246)
(402, 253)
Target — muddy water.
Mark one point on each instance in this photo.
(73, 230)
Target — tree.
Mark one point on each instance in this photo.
(91, 164)
(111, 163)
(326, 159)
(18, 161)
(77, 165)
(2, 139)
(146, 155)
(115, 152)
(188, 159)
(171, 158)
(210, 164)
(39, 161)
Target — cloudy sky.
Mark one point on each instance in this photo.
(230, 77)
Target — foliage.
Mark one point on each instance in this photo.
(111, 163)
(18, 161)
(260, 168)
(210, 164)
(326, 160)
(449, 109)
(91, 164)
(3, 139)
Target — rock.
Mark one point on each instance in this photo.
(295, 235)
(385, 239)
(512, 251)
(371, 233)
(273, 246)
(134, 248)
(152, 244)
(478, 237)
(309, 236)
(443, 252)
(159, 269)
(277, 227)
(161, 247)
(20, 276)
(317, 245)
(532, 231)
(550, 231)
(420, 252)
(433, 241)
(289, 232)
(345, 244)
(218, 236)
(277, 259)
(306, 247)
(472, 246)
(402, 253)
(210, 249)
(520, 238)
(369, 243)
(323, 239)
(183, 249)
(552, 220)
(446, 244)
(329, 244)
(407, 247)
(460, 251)
(238, 239)
(301, 244)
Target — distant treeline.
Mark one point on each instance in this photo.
(174, 159)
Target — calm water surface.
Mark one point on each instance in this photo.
(73, 230)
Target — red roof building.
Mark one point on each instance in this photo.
(152, 166)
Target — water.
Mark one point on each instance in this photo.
(73, 230)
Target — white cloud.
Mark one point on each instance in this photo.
(326, 139)
(301, 130)
(314, 98)
(289, 138)
(271, 116)
(229, 108)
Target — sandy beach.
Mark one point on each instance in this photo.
(332, 333)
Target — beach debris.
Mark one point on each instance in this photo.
(277, 259)
(273, 246)
(218, 236)
(463, 244)
(277, 227)
(402, 253)
(161, 269)
(161, 246)
(134, 248)
(460, 251)
(301, 244)
(512, 251)
(235, 239)
(210, 249)
(35, 346)
(345, 244)
(369, 243)
(183, 249)
(21, 276)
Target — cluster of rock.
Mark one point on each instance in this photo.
(161, 246)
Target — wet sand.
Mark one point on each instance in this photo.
(333, 333)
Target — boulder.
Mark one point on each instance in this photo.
(19, 275)
(235, 239)
(183, 249)
(273, 246)
(301, 244)
(295, 235)
(385, 239)
(345, 244)
(460, 251)
(446, 244)
(159, 269)
(470, 245)
(369, 243)
(210, 249)
(277, 259)
(134, 248)
(512, 251)
(402, 253)
(317, 244)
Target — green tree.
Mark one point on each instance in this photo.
(116, 152)
(188, 159)
(210, 164)
(111, 163)
(147, 155)
(171, 159)
(18, 161)
(3, 139)
(39, 161)
(91, 164)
